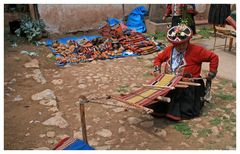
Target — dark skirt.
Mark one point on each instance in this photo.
(218, 13)
(177, 19)
(186, 103)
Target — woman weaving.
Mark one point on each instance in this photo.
(184, 58)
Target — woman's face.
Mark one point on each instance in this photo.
(182, 47)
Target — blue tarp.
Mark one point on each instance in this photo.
(113, 21)
(136, 19)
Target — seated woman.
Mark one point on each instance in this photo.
(184, 58)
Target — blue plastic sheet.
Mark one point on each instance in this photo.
(113, 21)
(136, 19)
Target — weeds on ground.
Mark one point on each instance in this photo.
(225, 97)
(205, 132)
(184, 128)
(122, 89)
(216, 121)
(234, 84)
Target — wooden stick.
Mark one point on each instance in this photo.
(158, 87)
(135, 105)
(181, 86)
(83, 100)
(164, 99)
(189, 83)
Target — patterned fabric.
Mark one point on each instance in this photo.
(177, 58)
(70, 143)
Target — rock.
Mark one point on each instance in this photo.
(93, 142)
(42, 135)
(12, 81)
(111, 142)
(133, 120)
(104, 79)
(195, 134)
(81, 81)
(168, 148)
(147, 116)
(197, 119)
(104, 133)
(50, 55)
(11, 89)
(57, 81)
(121, 129)
(229, 106)
(7, 94)
(215, 130)
(122, 140)
(62, 136)
(57, 75)
(46, 94)
(56, 121)
(226, 116)
(199, 126)
(51, 134)
(106, 147)
(67, 65)
(94, 62)
(121, 121)
(52, 141)
(161, 133)
(81, 86)
(42, 148)
(230, 148)
(37, 75)
(49, 102)
(185, 144)
(32, 64)
(18, 98)
(119, 109)
(107, 106)
(201, 140)
(27, 134)
(53, 109)
(147, 124)
(96, 120)
(77, 134)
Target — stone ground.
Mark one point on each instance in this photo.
(41, 106)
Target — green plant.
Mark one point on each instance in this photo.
(205, 132)
(215, 121)
(184, 129)
(31, 29)
(226, 97)
(123, 88)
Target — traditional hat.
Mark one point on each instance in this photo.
(179, 34)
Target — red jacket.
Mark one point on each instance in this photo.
(193, 57)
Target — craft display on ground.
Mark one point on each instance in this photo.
(115, 41)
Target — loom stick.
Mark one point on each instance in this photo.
(189, 83)
(164, 99)
(153, 86)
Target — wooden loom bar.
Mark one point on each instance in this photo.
(164, 99)
(189, 83)
(157, 87)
